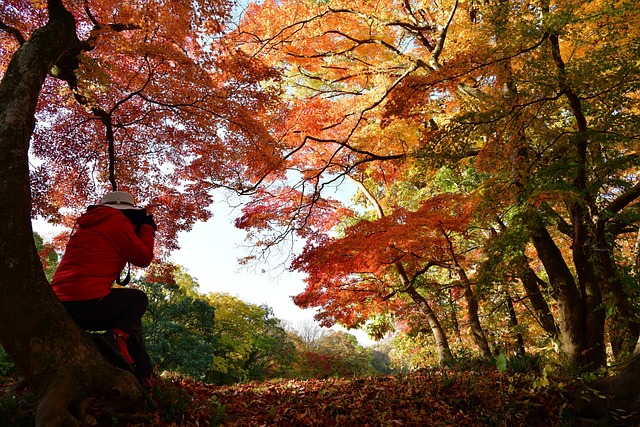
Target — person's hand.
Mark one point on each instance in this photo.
(136, 216)
(149, 220)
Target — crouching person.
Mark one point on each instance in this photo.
(106, 238)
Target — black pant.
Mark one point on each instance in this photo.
(121, 309)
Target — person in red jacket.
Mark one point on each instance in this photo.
(108, 236)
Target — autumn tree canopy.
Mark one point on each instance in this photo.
(526, 112)
(178, 111)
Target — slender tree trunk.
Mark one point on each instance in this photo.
(472, 304)
(454, 316)
(513, 324)
(530, 282)
(474, 318)
(57, 358)
(442, 343)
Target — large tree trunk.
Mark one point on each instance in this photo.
(580, 311)
(625, 325)
(593, 354)
(571, 319)
(57, 358)
(579, 304)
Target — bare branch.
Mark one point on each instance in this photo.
(14, 32)
(435, 54)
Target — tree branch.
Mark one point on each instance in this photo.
(620, 202)
(14, 32)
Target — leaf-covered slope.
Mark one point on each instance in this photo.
(427, 398)
(435, 398)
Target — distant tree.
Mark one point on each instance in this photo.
(346, 355)
(307, 334)
(48, 256)
(323, 353)
(273, 352)
(251, 343)
(381, 360)
(179, 326)
(412, 350)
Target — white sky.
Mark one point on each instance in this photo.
(210, 253)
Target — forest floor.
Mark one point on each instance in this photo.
(427, 398)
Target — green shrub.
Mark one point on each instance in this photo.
(527, 363)
(170, 400)
(17, 410)
(7, 367)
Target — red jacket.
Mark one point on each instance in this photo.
(98, 251)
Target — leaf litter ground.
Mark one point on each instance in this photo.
(425, 398)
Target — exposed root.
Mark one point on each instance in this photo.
(53, 409)
(614, 399)
(73, 397)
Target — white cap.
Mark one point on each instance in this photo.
(120, 200)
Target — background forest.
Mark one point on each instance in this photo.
(491, 147)
(219, 339)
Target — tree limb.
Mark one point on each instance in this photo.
(622, 201)
(14, 32)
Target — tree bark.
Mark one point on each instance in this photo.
(571, 317)
(57, 358)
(625, 325)
(530, 282)
(442, 343)
(474, 319)
(513, 324)
(454, 316)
